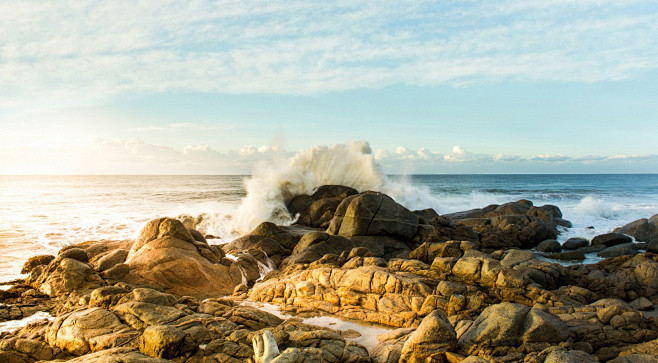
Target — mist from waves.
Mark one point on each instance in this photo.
(275, 183)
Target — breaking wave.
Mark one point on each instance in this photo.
(275, 183)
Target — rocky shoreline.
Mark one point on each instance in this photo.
(482, 285)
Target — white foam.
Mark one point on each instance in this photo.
(368, 333)
(275, 183)
(13, 325)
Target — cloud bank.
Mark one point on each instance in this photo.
(102, 156)
(61, 50)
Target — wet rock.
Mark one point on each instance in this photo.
(267, 237)
(575, 255)
(161, 341)
(318, 209)
(626, 249)
(372, 214)
(35, 261)
(575, 243)
(549, 245)
(431, 340)
(652, 247)
(198, 236)
(610, 239)
(644, 230)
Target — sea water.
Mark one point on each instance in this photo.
(40, 214)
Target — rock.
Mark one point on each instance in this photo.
(644, 230)
(652, 247)
(572, 356)
(641, 303)
(498, 325)
(116, 272)
(431, 340)
(626, 249)
(111, 259)
(106, 296)
(35, 261)
(508, 324)
(63, 276)
(318, 209)
(427, 214)
(139, 315)
(563, 222)
(540, 326)
(610, 239)
(549, 245)
(166, 256)
(575, 243)
(575, 255)
(74, 253)
(636, 358)
(88, 330)
(516, 257)
(313, 245)
(197, 235)
(158, 228)
(161, 341)
(265, 347)
(373, 214)
(117, 355)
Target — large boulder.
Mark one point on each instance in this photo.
(89, 330)
(373, 214)
(549, 245)
(626, 249)
(431, 340)
(575, 243)
(610, 239)
(508, 324)
(313, 245)
(643, 230)
(318, 209)
(161, 341)
(166, 256)
(66, 275)
(515, 224)
(275, 242)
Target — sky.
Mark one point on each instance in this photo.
(212, 87)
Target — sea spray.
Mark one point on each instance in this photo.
(274, 184)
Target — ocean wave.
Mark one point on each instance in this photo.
(275, 183)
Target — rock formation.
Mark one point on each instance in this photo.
(447, 288)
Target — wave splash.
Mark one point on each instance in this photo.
(275, 183)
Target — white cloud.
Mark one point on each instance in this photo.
(83, 49)
(117, 156)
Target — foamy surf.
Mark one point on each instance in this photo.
(275, 183)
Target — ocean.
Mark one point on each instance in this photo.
(40, 214)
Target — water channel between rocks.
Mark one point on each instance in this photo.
(368, 333)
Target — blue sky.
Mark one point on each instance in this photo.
(434, 87)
